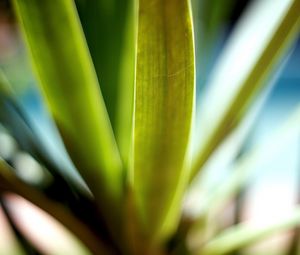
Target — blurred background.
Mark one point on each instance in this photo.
(273, 189)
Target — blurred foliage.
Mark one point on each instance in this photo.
(118, 78)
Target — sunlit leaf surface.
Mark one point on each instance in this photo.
(164, 100)
(69, 84)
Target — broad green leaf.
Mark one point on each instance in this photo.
(109, 30)
(69, 83)
(9, 182)
(244, 234)
(238, 80)
(163, 111)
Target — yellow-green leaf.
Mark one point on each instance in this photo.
(69, 84)
(113, 56)
(164, 101)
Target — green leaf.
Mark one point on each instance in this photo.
(124, 108)
(113, 56)
(164, 101)
(69, 83)
(237, 82)
(244, 234)
(9, 182)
